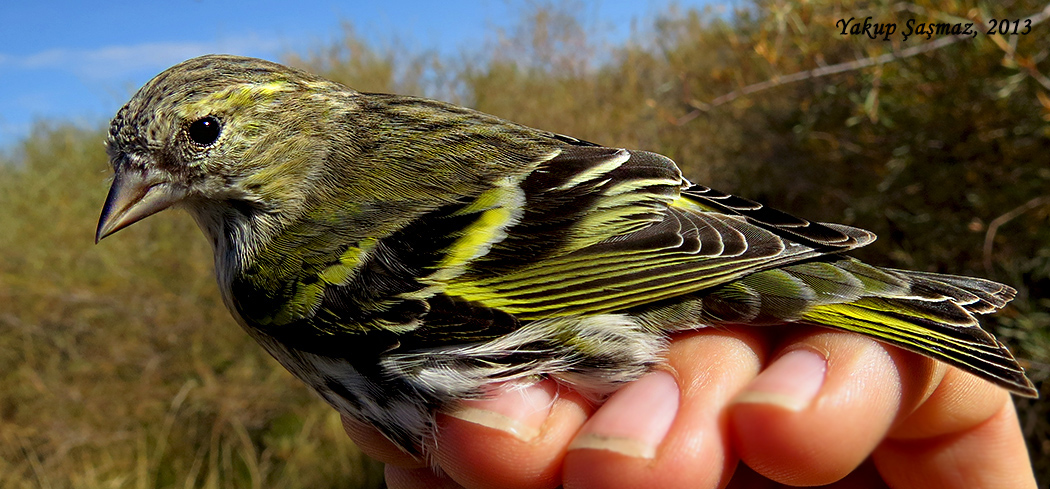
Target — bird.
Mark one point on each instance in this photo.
(399, 254)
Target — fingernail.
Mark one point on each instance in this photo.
(791, 382)
(519, 410)
(634, 420)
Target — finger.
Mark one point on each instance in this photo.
(865, 477)
(514, 440)
(377, 446)
(960, 402)
(987, 454)
(406, 478)
(669, 431)
(824, 404)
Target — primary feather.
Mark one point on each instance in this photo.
(398, 254)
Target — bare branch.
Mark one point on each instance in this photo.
(993, 227)
(1039, 77)
(843, 67)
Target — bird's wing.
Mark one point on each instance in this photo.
(603, 229)
(589, 230)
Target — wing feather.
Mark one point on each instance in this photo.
(610, 229)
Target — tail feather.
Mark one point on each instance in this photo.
(978, 295)
(936, 318)
(928, 313)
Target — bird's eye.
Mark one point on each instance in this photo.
(205, 131)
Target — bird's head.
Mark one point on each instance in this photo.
(217, 134)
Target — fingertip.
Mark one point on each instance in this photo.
(709, 367)
(791, 382)
(635, 420)
(515, 439)
(818, 410)
(520, 411)
(618, 444)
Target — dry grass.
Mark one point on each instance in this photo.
(119, 365)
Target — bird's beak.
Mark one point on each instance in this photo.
(134, 196)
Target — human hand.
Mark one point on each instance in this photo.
(799, 406)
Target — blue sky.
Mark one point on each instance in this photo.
(79, 61)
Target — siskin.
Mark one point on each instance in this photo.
(398, 254)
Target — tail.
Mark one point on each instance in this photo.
(927, 313)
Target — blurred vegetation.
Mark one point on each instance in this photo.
(119, 364)
(120, 367)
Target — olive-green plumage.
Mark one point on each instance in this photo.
(398, 254)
